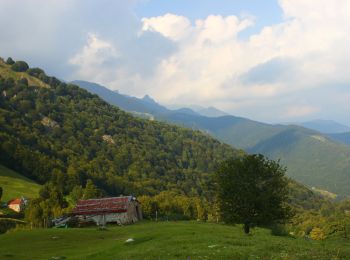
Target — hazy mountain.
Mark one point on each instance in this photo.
(128, 103)
(211, 112)
(326, 126)
(200, 110)
(341, 137)
(311, 157)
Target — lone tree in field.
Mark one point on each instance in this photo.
(252, 191)
(0, 193)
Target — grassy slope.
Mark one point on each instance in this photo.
(165, 240)
(6, 72)
(15, 185)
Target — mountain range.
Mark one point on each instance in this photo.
(311, 157)
(326, 126)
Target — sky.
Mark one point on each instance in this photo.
(271, 61)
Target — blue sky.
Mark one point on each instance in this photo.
(266, 12)
(272, 61)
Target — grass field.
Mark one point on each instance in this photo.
(165, 240)
(15, 185)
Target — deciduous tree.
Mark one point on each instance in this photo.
(252, 191)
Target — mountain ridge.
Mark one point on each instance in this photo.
(322, 163)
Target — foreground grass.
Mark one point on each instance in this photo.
(165, 240)
(15, 185)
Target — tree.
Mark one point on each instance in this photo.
(20, 66)
(10, 61)
(1, 193)
(252, 191)
(91, 191)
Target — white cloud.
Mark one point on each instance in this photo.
(211, 58)
(95, 59)
(294, 65)
(171, 26)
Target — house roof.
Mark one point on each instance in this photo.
(15, 201)
(100, 206)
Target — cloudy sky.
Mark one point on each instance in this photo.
(273, 61)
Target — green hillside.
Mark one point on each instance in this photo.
(310, 157)
(65, 135)
(15, 185)
(328, 162)
(341, 137)
(165, 240)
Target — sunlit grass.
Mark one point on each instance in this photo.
(165, 240)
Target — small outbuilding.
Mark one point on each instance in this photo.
(17, 204)
(121, 210)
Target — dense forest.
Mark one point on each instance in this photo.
(63, 134)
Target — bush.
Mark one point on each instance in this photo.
(10, 61)
(317, 234)
(35, 72)
(20, 66)
(279, 230)
(23, 81)
(6, 224)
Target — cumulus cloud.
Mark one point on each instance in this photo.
(305, 52)
(287, 70)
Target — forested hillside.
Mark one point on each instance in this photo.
(311, 157)
(58, 132)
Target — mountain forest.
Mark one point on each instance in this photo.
(74, 144)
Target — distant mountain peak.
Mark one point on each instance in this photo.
(148, 99)
(211, 112)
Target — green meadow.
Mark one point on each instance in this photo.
(15, 185)
(165, 240)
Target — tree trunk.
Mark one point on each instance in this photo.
(246, 228)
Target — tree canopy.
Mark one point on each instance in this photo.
(20, 66)
(252, 190)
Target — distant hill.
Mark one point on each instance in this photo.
(310, 156)
(341, 137)
(326, 126)
(15, 185)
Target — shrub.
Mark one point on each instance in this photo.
(10, 61)
(317, 234)
(6, 224)
(279, 230)
(20, 66)
(35, 72)
(23, 81)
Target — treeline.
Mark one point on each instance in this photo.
(169, 205)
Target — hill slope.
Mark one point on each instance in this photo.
(341, 137)
(326, 126)
(311, 157)
(15, 185)
(66, 135)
